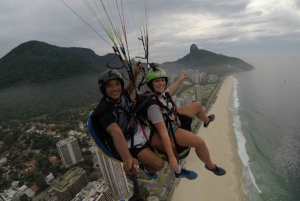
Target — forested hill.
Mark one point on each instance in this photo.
(209, 62)
(37, 62)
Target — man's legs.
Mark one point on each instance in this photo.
(151, 161)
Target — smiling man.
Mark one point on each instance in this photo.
(128, 139)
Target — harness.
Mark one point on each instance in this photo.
(182, 121)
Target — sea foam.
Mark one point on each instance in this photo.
(241, 140)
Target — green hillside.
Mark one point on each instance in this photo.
(38, 79)
(37, 62)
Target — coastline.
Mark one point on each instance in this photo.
(221, 142)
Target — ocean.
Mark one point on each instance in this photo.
(265, 107)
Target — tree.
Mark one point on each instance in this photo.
(144, 191)
(8, 139)
(4, 183)
(54, 153)
(24, 197)
(86, 167)
(29, 176)
(4, 125)
(94, 177)
(63, 170)
(39, 180)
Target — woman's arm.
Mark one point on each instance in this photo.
(163, 132)
(155, 116)
(172, 88)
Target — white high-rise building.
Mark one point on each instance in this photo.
(114, 176)
(197, 93)
(203, 76)
(199, 78)
(190, 72)
(195, 78)
(69, 151)
(213, 78)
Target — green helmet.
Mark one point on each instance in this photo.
(154, 74)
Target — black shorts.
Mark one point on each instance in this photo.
(134, 151)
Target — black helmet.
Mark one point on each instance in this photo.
(106, 76)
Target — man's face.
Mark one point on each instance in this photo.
(113, 89)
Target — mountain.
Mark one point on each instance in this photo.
(38, 80)
(208, 62)
(35, 62)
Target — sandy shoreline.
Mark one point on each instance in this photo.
(220, 140)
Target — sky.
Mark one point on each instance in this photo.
(238, 28)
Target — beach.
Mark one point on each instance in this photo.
(221, 142)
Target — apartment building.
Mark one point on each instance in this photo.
(67, 186)
(114, 176)
(69, 151)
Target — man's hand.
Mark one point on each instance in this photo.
(129, 163)
(138, 68)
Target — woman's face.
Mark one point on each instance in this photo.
(159, 85)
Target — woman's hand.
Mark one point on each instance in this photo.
(173, 163)
(184, 76)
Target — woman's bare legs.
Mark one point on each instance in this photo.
(156, 143)
(188, 139)
(193, 109)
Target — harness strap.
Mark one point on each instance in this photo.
(167, 114)
(144, 133)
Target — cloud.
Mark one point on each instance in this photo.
(230, 27)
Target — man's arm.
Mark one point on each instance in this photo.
(137, 69)
(120, 144)
(176, 84)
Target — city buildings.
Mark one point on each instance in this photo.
(213, 78)
(203, 76)
(14, 193)
(197, 93)
(95, 191)
(69, 151)
(114, 176)
(67, 186)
